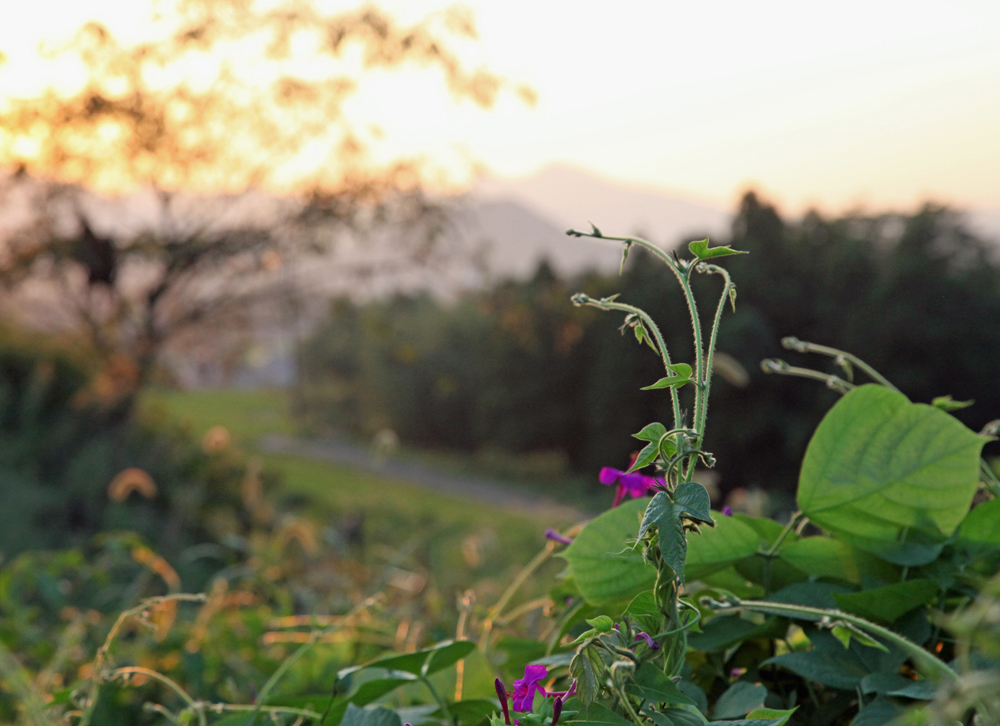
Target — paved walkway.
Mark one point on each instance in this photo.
(456, 485)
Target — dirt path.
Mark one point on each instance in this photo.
(464, 487)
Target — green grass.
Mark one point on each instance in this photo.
(247, 414)
(457, 540)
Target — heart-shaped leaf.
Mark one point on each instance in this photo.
(890, 476)
(606, 571)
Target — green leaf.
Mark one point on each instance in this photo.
(879, 470)
(830, 669)
(768, 529)
(724, 631)
(443, 655)
(887, 604)
(692, 500)
(982, 525)
(947, 403)
(829, 557)
(668, 382)
(652, 432)
(773, 713)
(664, 514)
(379, 716)
(588, 670)
(423, 662)
(878, 713)
(470, 712)
(646, 457)
(701, 250)
(602, 623)
(607, 572)
(675, 717)
(653, 685)
(640, 332)
(716, 548)
(739, 699)
(601, 716)
(644, 612)
(732, 297)
(845, 632)
(681, 374)
(893, 684)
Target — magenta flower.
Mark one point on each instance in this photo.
(649, 640)
(638, 485)
(727, 510)
(525, 688)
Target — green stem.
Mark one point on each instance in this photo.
(773, 549)
(933, 667)
(527, 571)
(195, 706)
(772, 365)
(699, 400)
(440, 701)
(990, 480)
(657, 335)
(628, 707)
(803, 346)
(314, 638)
(713, 270)
(304, 712)
(97, 667)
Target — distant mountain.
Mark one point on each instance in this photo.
(573, 198)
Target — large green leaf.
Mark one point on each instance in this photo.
(717, 547)
(739, 699)
(379, 716)
(887, 604)
(880, 467)
(653, 685)
(830, 557)
(605, 569)
(982, 525)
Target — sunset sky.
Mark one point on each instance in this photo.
(836, 105)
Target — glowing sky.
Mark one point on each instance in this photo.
(874, 103)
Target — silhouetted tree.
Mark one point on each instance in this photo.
(243, 122)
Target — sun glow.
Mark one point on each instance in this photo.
(862, 104)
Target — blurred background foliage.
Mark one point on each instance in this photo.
(517, 369)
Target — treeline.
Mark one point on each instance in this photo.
(518, 368)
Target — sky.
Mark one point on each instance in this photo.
(847, 105)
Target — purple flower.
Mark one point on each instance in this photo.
(638, 485)
(649, 641)
(525, 688)
(502, 695)
(556, 537)
(727, 510)
(556, 711)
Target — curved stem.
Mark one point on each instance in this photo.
(772, 365)
(314, 638)
(803, 346)
(304, 712)
(699, 400)
(657, 335)
(195, 706)
(494, 612)
(102, 652)
(710, 353)
(933, 668)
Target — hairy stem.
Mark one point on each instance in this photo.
(932, 667)
(803, 346)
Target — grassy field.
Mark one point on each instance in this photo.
(457, 540)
